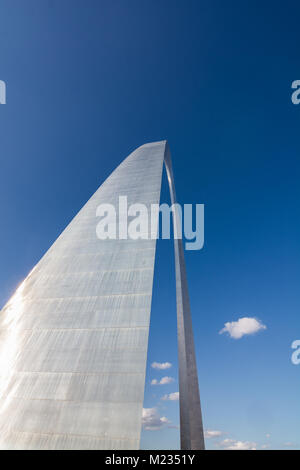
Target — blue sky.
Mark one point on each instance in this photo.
(88, 82)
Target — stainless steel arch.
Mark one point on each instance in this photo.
(73, 338)
(191, 426)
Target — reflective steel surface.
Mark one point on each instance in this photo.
(74, 336)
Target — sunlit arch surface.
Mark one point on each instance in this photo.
(73, 338)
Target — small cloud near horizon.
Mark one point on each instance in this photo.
(162, 381)
(171, 396)
(152, 421)
(161, 365)
(233, 444)
(209, 434)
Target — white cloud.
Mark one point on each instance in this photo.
(244, 326)
(152, 421)
(208, 434)
(161, 365)
(166, 380)
(232, 444)
(163, 381)
(171, 396)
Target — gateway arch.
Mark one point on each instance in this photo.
(74, 336)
